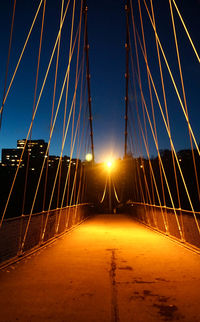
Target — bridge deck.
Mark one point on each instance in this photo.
(109, 269)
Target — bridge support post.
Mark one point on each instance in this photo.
(109, 191)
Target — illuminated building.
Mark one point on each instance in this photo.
(10, 157)
(36, 150)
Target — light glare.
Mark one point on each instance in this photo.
(88, 157)
(109, 164)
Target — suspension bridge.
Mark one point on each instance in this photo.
(84, 240)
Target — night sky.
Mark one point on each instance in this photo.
(107, 34)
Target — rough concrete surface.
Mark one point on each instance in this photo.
(108, 269)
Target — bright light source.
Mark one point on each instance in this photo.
(109, 164)
(88, 157)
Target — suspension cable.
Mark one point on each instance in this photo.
(64, 190)
(82, 193)
(52, 108)
(172, 78)
(184, 97)
(174, 151)
(134, 147)
(81, 141)
(66, 97)
(47, 149)
(34, 101)
(86, 44)
(144, 118)
(71, 154)
(186, 30)
(16, 68)
(115, 192)
(164, 97)
(135, 135)
(150, 93)
(176, 158)
(60, 159)
(150, 123)
(127, 8)
(8, 60)
(104, 192)
(31, 125)
(74, 110)
(166, 111)
(79, 144)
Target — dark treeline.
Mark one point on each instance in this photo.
(15, 205)
(140, 184)
(132, 178)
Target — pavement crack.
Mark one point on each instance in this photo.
(114, 303)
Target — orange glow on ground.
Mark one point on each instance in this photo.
(153, 277)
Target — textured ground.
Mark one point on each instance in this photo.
(108, 269)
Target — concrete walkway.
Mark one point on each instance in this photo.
(108, 269)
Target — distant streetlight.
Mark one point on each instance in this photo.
(109, 165)
(88, 157)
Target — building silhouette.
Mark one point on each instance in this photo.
(34, 149)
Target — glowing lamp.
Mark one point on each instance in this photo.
(109, 164)
(88, 157)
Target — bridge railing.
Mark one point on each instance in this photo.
(43, 227)
(178, 223)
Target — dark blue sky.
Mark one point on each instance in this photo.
(107, 32)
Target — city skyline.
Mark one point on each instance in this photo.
(36, 149)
